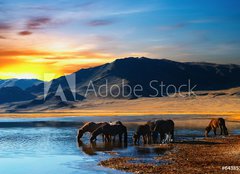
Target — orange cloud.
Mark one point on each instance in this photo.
(35, 62)
(73, 67)
(4, 53)
(10, 61)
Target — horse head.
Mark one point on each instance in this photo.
(80, 134)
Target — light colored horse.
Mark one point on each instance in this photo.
(214, 124)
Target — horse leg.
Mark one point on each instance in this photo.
(172, 134)
(162, 135)
(108, 137)
(144, 139)
(221, 128)
(114, 139)
(149, 138)
(215, 131)
(120, 138)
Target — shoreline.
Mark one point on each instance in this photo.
(182, 157)
(228, 116)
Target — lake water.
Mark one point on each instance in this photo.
(48, 145)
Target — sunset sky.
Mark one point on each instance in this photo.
(63, 36)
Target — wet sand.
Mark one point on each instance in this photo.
(208, 155)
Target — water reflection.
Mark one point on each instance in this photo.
(25, 147)
(92, 148)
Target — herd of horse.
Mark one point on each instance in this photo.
(152, 132)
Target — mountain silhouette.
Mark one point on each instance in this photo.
(141, 71)
(14, 94)
(21, 83)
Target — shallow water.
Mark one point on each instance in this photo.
(49, 145)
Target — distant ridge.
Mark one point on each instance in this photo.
(14, 94)
(207, 76)
(21, 83)
(133, 71)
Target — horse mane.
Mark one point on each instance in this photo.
(85, 126)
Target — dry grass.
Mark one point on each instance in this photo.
(203, 105)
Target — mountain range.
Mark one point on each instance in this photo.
(133, 71)
(21, 83)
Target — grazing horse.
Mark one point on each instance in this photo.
(214, 124)
(145, 132)
(115, 123)
(110, 130)
(162, 127)
(89, 127)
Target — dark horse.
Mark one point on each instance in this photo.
(162, 127)
(145, 132)
(214, 124)
(110, 130)
(89, 127)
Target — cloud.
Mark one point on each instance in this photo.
(2, 37)
(70, 68)
(13, 53)
(38, 22)
(174, 27)
(131, 11)
(4, 26)
(100, 22)
(185, 24)
(6, 61)
(25, 33)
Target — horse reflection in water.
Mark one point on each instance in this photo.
(92, 148)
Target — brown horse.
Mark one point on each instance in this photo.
(145, 132)
(110, 130)
(214, 124)
(89, 127)
(115, 123)
(162, 127)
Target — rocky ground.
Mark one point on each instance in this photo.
(209, 155)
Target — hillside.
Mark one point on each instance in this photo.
(141, 71)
